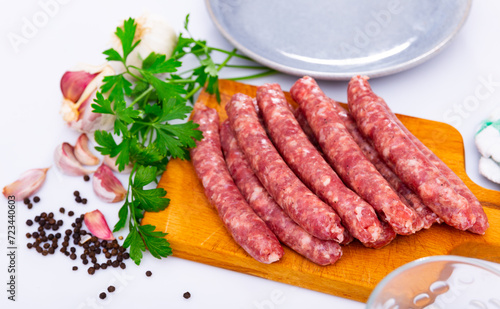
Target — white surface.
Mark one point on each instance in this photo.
(31, 128)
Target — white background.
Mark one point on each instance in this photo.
(30, 128)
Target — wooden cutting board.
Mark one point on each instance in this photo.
(196, 233)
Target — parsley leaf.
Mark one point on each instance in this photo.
(150, 105)
(155, 242)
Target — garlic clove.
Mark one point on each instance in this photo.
(97, 225)
(65, 160)
(82, 151)
(73, 84)
(111, 163)
(28, 183)
(79, 88)
(106, 186)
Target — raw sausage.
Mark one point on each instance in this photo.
(481, 223)
(405, 193)
(247, 229)
(307, 163)
(412, 167)
(348, 160)
(303, 206)
(322, 252)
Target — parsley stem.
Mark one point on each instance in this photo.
(193, 92)
(223, 64)
(251, 67)
(235, 66)
(142, 95)
(228, 52)
(151, 136)
(134, 75)
(180, 81)
(266, 73)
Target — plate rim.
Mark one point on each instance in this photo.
(342, 76)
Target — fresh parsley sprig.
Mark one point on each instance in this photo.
(144, 134)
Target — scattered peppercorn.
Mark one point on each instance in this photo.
(111, 289)
(149, 273)
(84, 201)
(76, 193)
(62, 210)
(78, 199)
(86, 178)
(46, 243)
(30, 206)
(70, 213)
(26, 201)
(36, 199)
(102, 295)
(186, 295)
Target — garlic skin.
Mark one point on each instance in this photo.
(111, 163)
(156, 35)
(28, 184)
(65, 160)
(97, 225)
(106, 186)
(79, 88)
(489, 169)
(82, 151)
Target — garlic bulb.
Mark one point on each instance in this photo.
(156, 35)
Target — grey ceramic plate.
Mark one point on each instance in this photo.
(336, 39)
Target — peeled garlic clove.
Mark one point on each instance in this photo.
(28, 183)
(111, 163)
(67, 163)
(82, 152)
(106, 186)
(97, 225)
